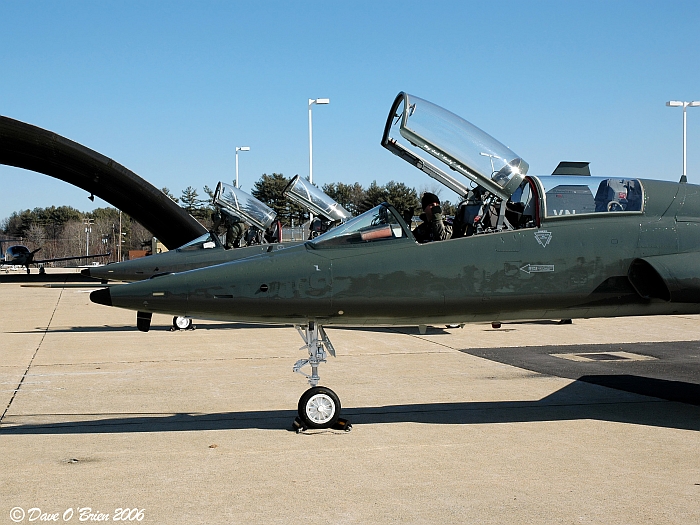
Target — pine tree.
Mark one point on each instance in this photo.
(270, 190)
(401, 197)
(166, 191)
(189, 199)
(349, 196)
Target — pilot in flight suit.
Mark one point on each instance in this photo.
(433, 227)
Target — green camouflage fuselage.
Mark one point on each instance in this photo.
(570, 266)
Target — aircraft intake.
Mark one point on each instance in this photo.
(668, 277)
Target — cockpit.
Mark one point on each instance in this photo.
(380, 224)
(497, 195)
(492, 181)
(205, 242)
(566, 195)
(16, 252)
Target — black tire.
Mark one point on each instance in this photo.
(319, 407)
(178, 323)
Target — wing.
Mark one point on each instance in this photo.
(56, 259)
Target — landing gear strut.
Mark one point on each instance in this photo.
(319, 407)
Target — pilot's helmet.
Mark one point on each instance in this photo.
(428, 198)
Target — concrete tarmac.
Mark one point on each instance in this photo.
(471, 425)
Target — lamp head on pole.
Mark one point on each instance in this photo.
(243, 148)
(319, 101)
(674, 104)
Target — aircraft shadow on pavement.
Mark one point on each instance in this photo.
(576, 401)
(679, 391)
(80, 329)
(408, 330)
(537, 322)
(222, 326)
(132, 328)
(35, 278)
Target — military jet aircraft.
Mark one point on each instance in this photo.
(207, 250)
(20, 255)
(539, 247)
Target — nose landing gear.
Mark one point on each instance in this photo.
(181, 323)
(319, 407)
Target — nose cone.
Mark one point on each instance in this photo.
(85, 272)
(102, 296)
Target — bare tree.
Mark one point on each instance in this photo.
(36, 237)
(73, 239)
(139, 237)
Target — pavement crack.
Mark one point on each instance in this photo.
(26, 372)
(425, 339)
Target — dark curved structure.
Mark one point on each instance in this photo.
(32, 148)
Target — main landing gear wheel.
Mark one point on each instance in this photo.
(182, 323)
(319, 407)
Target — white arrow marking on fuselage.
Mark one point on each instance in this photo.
(537, 268)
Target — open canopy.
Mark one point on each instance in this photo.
(305, 194)
(238, 204)
(420, 132)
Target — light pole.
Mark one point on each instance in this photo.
(88, 229)
(684, 105)
(241, 148)
(121, 234)
(311, 150)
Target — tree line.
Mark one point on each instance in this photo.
(353, 197)
(63, 231)
(60, 231)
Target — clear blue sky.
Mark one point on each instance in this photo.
(169, 89)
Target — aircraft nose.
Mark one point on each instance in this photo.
(102, 296)
(85, 272)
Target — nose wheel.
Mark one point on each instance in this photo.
(319, 407)
(182, 323)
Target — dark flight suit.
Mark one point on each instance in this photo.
(435, 230)
(234, 229)
(234, 234)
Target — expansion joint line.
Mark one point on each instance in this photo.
(26, 372)
(426, 340)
